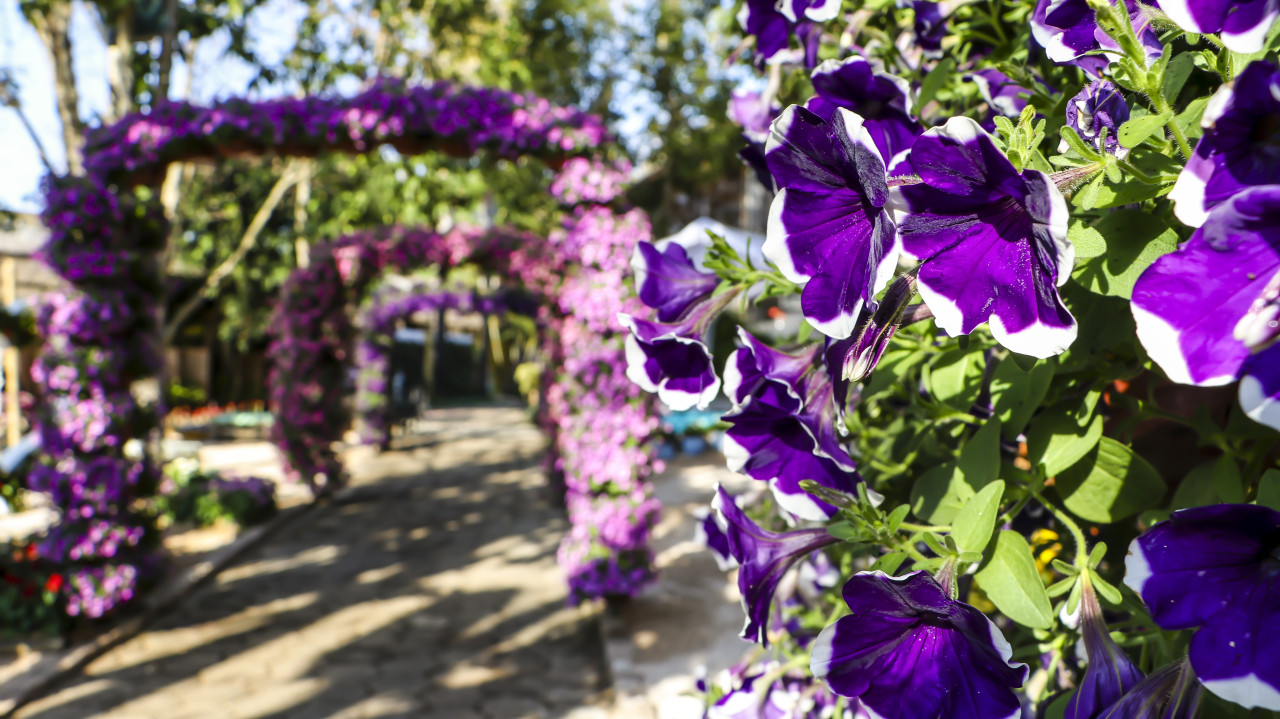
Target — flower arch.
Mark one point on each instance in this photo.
(108, 227)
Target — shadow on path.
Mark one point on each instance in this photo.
(430, 590)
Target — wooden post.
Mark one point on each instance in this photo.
(12, 371)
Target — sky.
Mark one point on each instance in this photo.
(212, 75)
(272, 29)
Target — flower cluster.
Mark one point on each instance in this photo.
(995, 377)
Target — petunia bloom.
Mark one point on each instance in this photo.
(668, 281)
(1097, 107)
(1069, 33)
(1110, 673)
(1237, 150)
(992, 241)
(672, 358)
(753, 112)
(929, 25)
(763, 557)
(907, 650)
(1000, 92)
(850, 360)
(783, 435)
(829, 226)
(754, 364)
(1189, 304)
(708, 533)
(1244, 24)
(772, 24)
(1171, 692)
(882, 100)
(1216, 569)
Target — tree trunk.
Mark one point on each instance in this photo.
(52, 26)
(169, 45)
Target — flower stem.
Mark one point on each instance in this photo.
(1082, 545)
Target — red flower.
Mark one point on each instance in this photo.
(31, 551)
(54, 583)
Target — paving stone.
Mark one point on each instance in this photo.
(434, 592)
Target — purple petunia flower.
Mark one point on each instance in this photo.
(671, 358)
(1189, 304)
(992, 241)
(929, 25)
(1000, 92)
(882, 100)
(909, 651)
(1110, 673)
(668, 281)
(1069, 33)
(1097, 107)
(1217, 569)
(783, 431)
(1238, 149)
(772, 23)
(709, 534)
(829, 227)
(763, 557)
(755, 364)
(1171, 692)
(1244, 24)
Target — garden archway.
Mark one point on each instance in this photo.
(107, 229)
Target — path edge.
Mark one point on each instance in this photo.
(54, 667)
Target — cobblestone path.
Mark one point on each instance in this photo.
(430, 590)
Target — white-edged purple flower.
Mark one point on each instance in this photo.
(1244, 24)
(829, 227)
(992, 241)
(909, 651)
(1001, 93)
(773, 22)
(1069, 33)
(882, 100)
(782, 429)
(672, 358)
(763, 558)
(929, 25)
(1171, 692)
(708, 532)
(1189, 303)
(755, 363)
(1110, 673)
(1216, 569)
(1260, 326)
(1240, 147)
(1098, 106)
(668, 281)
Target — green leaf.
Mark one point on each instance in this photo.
(1105, 589)
(1133, 132)
(935, 543)
(933, 82)
(1064, 434)
(1227, 482)
(1189, 119)
(890, 562)
(1175, 76)
(844, 531)
(974, 523)
(979, 462)
(1196, 489)
(1061, 587)
(1111, 483)
(955, 378)
(1012, 583)
(896, 516)
(939, 493)
(1135, 239)
(1269, 489)
(1016, 393)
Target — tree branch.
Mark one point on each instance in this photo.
(288, 178)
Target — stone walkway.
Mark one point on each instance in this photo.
(429, 590)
